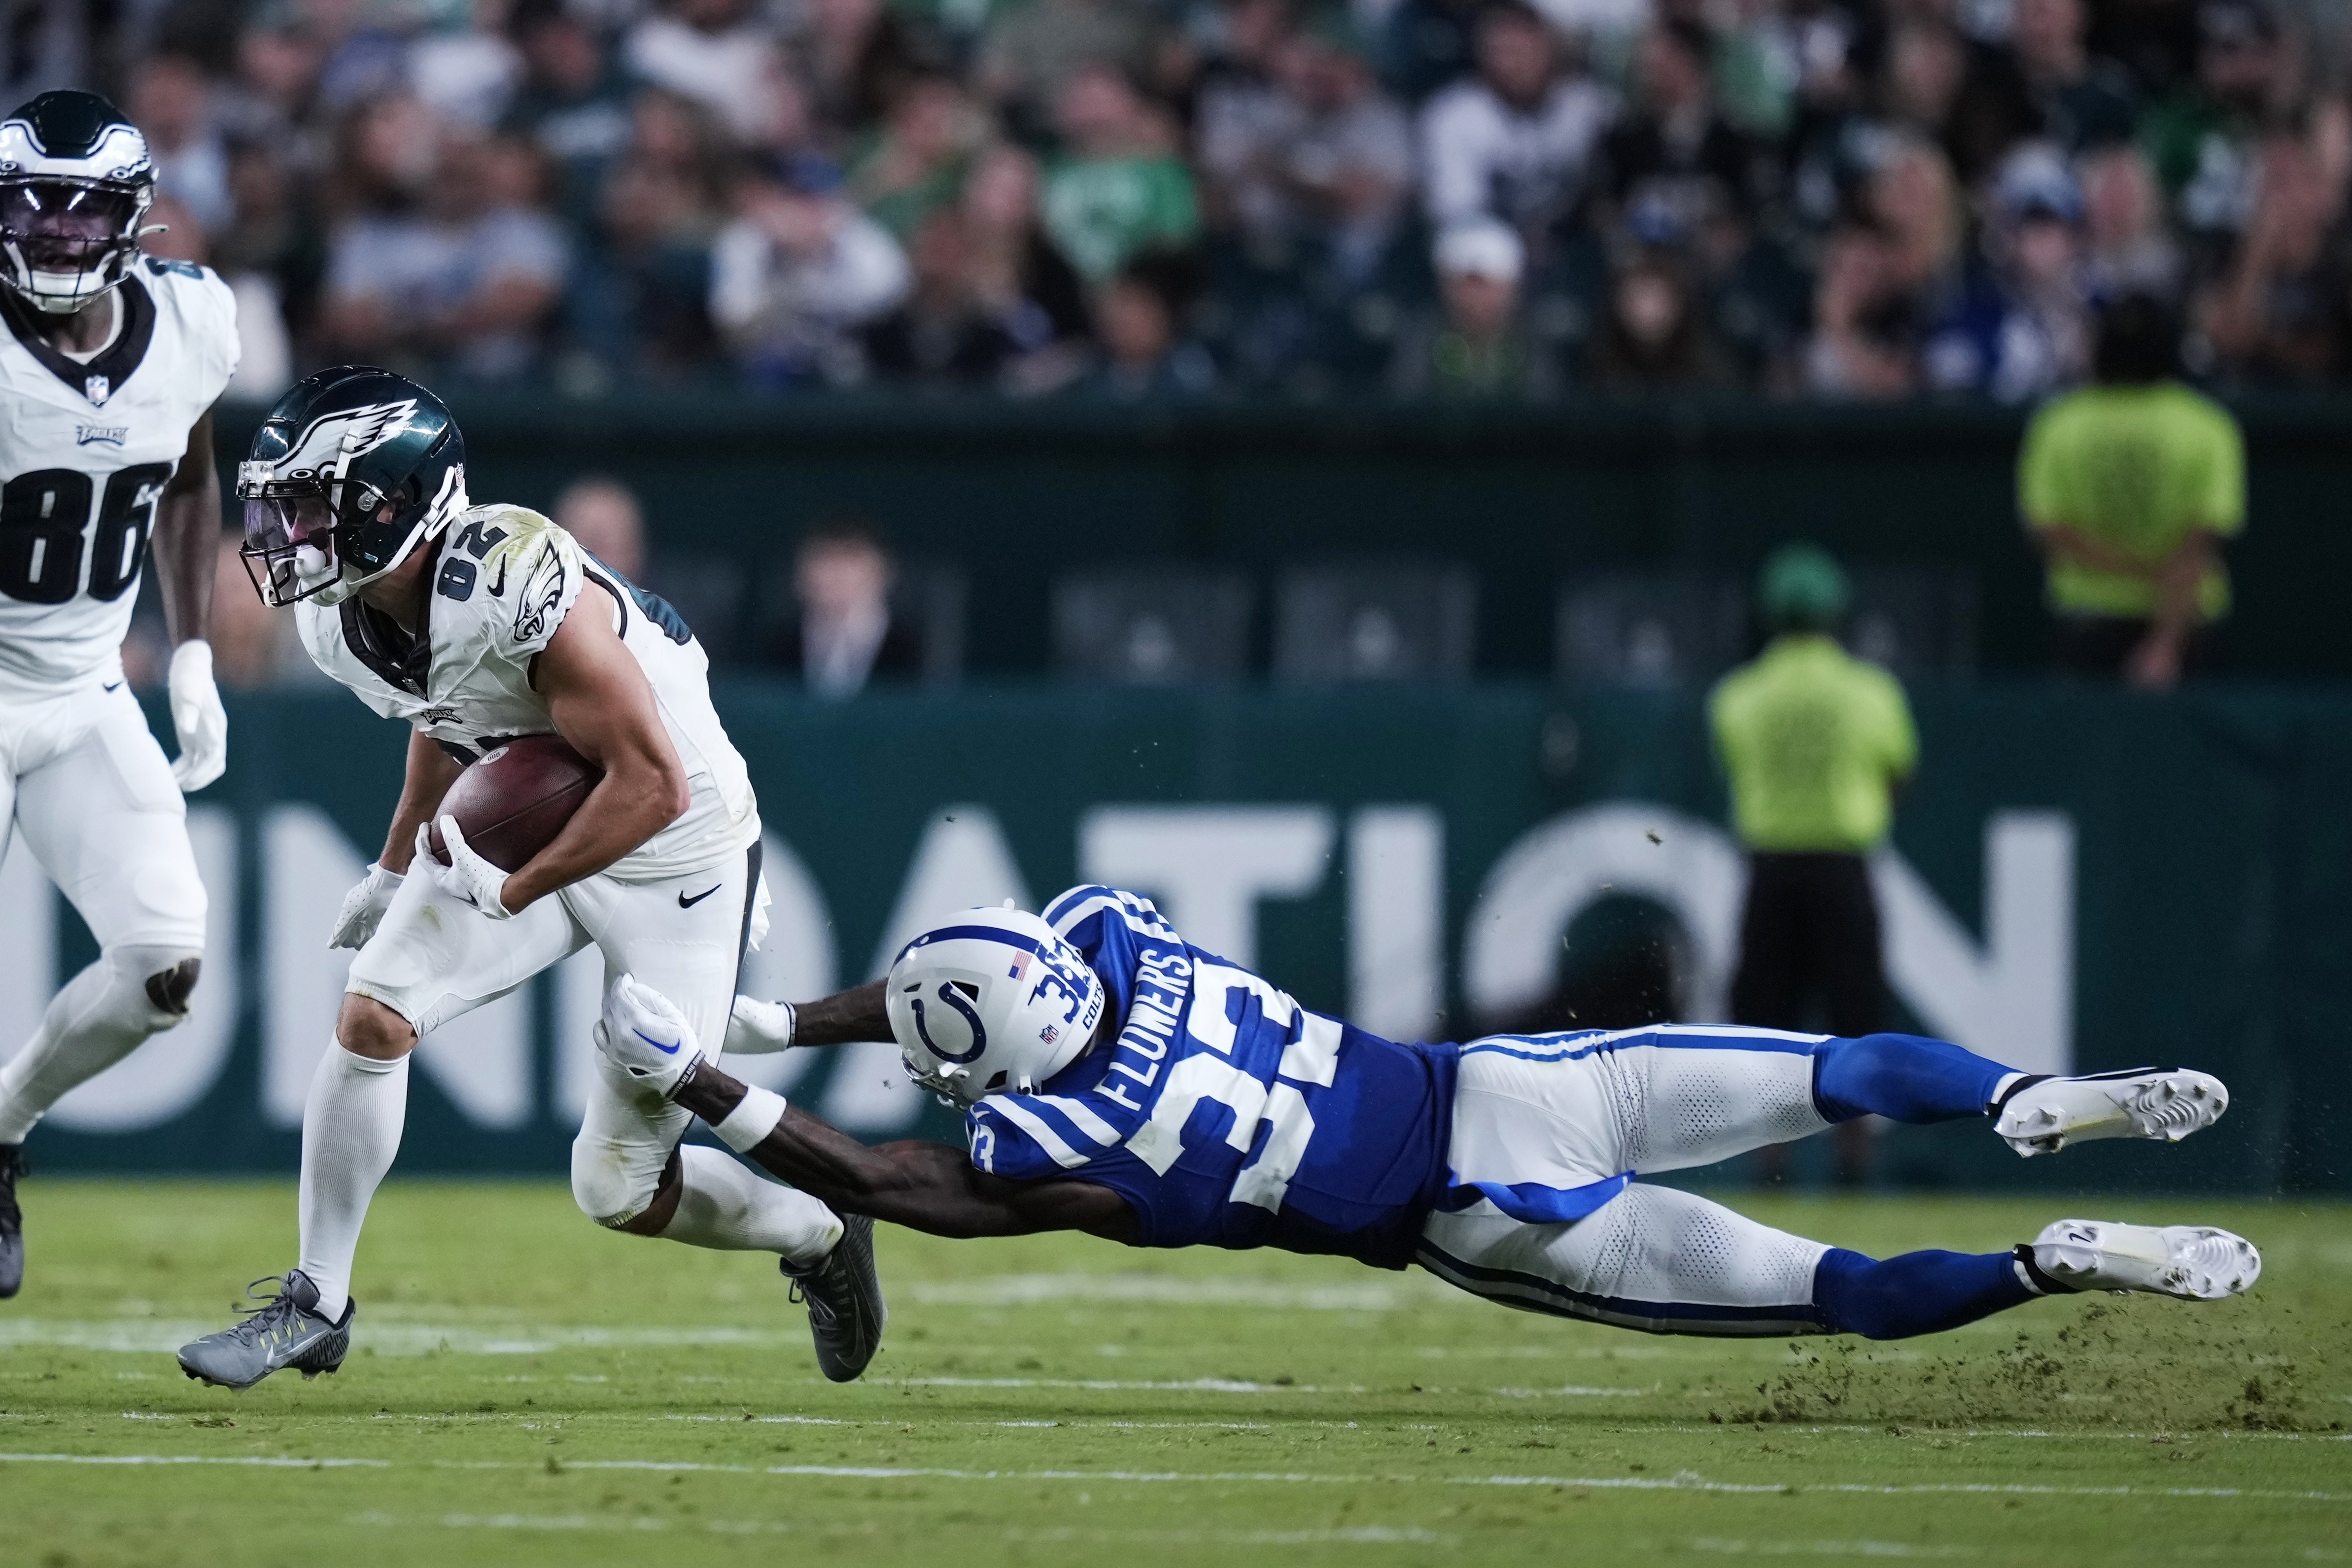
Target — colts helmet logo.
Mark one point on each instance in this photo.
(960, 995)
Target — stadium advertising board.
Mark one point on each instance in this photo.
(2076, 880)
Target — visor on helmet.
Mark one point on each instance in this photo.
(66, 240)
(290, 546)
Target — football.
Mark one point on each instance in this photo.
(513, 803)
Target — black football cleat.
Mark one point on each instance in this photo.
(286, 1330)
(12, 1221)
(844, 1301)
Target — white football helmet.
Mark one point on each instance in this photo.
(75, 184)
(993, 1000)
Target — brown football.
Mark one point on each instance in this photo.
(512, 803)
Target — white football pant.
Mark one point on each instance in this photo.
(85, 785)
(435, 958)
(1558, 1127)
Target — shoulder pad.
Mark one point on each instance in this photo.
(507, 577)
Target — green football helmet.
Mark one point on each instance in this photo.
(352, 472)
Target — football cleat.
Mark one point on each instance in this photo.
(286, 1330)
(2044, 1115)
(2192, 1262)
(12, 1221)
(844, 1300)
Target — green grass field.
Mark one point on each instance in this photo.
(527, 1389)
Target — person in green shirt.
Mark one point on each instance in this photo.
(2129, 487)
(1816, 743)
(1117, 189)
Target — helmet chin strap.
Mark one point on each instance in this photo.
(437, 519)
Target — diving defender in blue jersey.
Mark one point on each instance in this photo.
(1117, 1081)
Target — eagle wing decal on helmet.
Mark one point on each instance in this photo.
(542, 596)
(331, 443)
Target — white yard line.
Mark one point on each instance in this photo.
(158, 1336)
(1183, 1386)
(1368, 1535)
(1245, 1386)
(1161, 1289)
(1687, 1482)
(1826, 1548)
(261, 1462)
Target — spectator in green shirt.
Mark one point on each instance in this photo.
(2129, 487)
(1816, 743)
(1120, 189)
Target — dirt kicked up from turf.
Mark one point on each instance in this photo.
(527, 1389)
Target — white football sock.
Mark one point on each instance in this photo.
(731, 1209)
(350, 1131)
(101, 1016)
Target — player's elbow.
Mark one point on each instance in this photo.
(658, 785)
(675, 794)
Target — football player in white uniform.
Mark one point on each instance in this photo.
(109, 364)
(477, 625)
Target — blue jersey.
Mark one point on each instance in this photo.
(1223, 1113)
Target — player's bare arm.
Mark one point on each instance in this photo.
(603, 707)
(926, 1187)
(188, 530)
(429, 773)
(843, 1018)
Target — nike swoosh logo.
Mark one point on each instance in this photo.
(666, 1050)
(686, 903)
(499, 588)
(116, 687)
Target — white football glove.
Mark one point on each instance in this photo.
(197, 716)
(643, 1035)
(467, 875)
(756, 1027)
(363, 907)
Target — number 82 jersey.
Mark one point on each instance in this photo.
(86, 449)
(1222, 1111)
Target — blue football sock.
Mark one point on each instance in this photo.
(1905, 1076)
(1916, 1293)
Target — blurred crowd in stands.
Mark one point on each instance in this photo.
(1177, 198)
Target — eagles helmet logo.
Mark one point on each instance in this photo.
(326, 449)
(75, 181)
(351, 471)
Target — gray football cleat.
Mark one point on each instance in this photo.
(286, 1330)
(2191, 1262)
(2043, 1115)
(12, 1221)
(844, 1300)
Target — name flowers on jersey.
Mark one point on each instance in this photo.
(1154, 1019)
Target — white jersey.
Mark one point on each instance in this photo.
(505, 579)
(84, 450)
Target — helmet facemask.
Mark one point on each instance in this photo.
(297, 530)
(64, 241)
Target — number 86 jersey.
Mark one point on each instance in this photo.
(1222, 1111)
(86, 447)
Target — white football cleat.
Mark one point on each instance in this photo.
(2192, 1262)
(2167, 1104)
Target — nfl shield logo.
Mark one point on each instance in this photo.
(97, 388)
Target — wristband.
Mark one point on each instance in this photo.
(744, 1128)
